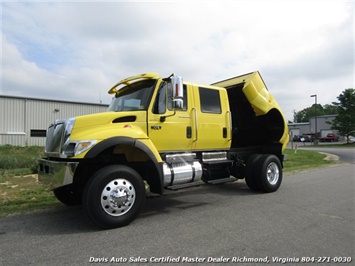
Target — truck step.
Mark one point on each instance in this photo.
(221, 180)
(186, 185)
(218, 162)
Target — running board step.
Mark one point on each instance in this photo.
(186, 185)
(219, 162)
(221, 180)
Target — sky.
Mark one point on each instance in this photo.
(76, 50)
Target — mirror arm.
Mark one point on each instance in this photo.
(163, 118)
(168, 78)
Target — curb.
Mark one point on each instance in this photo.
(330, 157)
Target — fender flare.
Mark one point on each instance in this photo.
(110, 142)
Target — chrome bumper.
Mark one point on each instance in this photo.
(54, 174)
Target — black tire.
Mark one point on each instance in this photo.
(268, 173)
(114, 196)
(68, 196)
(251, 177)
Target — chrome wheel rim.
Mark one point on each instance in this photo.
(272, 173)
(118, 197)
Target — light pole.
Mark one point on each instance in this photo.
(315, 118)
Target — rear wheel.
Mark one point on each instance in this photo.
(269, 171)
(264, 173)
(114, 196)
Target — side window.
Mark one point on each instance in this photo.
(210, 101)
(160, 101)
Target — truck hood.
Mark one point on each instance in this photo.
(104, 125)
(107, 118)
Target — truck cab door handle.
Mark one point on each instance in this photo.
(224, 132)
(189, 132)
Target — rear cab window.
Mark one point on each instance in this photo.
(210, 101)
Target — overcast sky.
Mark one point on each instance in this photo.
(76, 50)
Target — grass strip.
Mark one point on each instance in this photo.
(302, 160)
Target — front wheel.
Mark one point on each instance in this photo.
(114, 196)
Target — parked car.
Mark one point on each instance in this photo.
(329, 138)
(306, 138)
(296, 138)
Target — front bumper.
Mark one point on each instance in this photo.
(54, 174)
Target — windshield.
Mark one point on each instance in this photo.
(133, 97)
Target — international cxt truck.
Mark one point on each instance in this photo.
(162, 134)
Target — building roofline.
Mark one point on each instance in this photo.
(298, 124)
(319, 116)
(49, 100)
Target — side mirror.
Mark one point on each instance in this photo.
(178, 91)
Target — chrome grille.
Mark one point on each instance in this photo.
(55, 138)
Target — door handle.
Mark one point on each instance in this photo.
(188, 132)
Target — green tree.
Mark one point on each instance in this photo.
(330, 109)
(345, 120)
(305, 114)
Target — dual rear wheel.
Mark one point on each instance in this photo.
(263, 172)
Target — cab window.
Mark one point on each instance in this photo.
(160, 100)
(164, 99)
(210, 101)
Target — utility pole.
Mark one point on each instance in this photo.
(315, 118)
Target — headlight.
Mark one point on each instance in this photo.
(83, 146)
(74, 148)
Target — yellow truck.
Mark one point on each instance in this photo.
(162, 134)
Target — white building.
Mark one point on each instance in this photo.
(323, 125)
(24, 121)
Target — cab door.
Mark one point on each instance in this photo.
(212, 118)
(170, 127)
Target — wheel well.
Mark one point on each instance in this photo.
(124, 154)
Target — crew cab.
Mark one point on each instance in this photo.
(162, 134)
